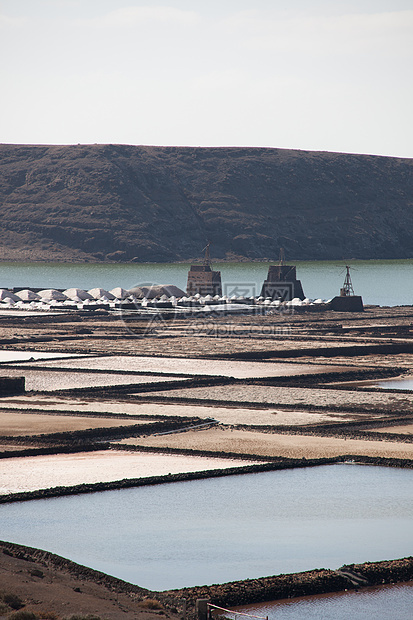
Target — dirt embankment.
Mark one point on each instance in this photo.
(45, 582)
(301, 584)
(52, 587)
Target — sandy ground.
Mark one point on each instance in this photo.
(406, 429)
(182, 344)
(39, 472)
(225, 415)
(287, 395)
(60, 591)
(269, 444)
(8, 357)
(404, 382)
(12, 447)
(191, 366)
(67, 403)
(397, 360)
(49, 380)
(15, 424)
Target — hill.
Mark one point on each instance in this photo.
(142, 203)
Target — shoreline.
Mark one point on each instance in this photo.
(197, 259)
(229, 594)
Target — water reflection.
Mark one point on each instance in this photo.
(395, 601)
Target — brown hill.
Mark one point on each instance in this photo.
(116, 202)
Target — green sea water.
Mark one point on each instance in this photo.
(382, 282)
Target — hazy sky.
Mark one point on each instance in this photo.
(322, 75)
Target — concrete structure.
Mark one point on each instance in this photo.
(282, 283)
(202, 280)
(347, 301)
(353, 303)
(201, 608)
(9, 386)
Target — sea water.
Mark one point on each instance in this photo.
(382, 282)
(225, 529)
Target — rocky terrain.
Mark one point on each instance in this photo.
(141, 203)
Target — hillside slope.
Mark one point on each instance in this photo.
(116, 202)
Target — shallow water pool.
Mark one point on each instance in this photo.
(391, 601)
(225, 529)
(406, 383)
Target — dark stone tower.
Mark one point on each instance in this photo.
(282, 283)
(202, 280)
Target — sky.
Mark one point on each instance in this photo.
(321, 75)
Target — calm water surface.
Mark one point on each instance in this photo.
(395, 384)
(386, 283)
(384, 603)
(224, 529)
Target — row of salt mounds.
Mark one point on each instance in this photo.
(101, 293)
(73, 295)
(27, 295)
(50, 294)
(293, 302)
(160, 292)
(156, 290)
(77, 294)
(8, 296)
(120, 293)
